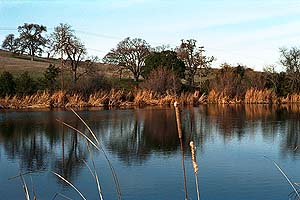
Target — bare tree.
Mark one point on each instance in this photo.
(64, 43)
(76, 52)
(271, 77)
(31, 38)
(57, 45)
(58, 40)
(290, 59)
(130, 54)
(194, 60)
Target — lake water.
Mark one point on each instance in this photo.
(143, 146)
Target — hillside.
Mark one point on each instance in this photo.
(17, 64)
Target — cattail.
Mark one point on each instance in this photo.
(178, 122)
(178, 119)
(195, 165)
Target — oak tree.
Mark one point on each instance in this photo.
(31, 38)
(130, 54)
(9, 43)
(194, 60)
(166, 59)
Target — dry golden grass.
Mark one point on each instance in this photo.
(19, 64)
(254, 96)
(123, 98)
(145, 97)
(291, 98)
(75, 100)
(98, 99)
(219, 97)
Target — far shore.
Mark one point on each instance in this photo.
(139, 98)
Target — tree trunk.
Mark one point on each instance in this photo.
(75, 76)
(190, 79)
(136, 77)
(32, 54)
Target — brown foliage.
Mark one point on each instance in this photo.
(162, 80)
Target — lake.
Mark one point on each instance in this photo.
(236, 145)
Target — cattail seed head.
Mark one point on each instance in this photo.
(193, 151)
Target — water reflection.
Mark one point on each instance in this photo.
(137, 134)
(73, 153)
(234, 121)
(38, 142)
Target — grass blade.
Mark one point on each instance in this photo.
(95, 175)
(25, 187)
(25, 173)
(65, 180)
(59, 194)
(33, 189)
(87, 126)
(115, 177)
(90, 170)
(286, 177)
(98, 147)
(81, 133)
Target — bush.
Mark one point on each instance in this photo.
(50, 78)
(162, 80)
(90, 84)
(7, 84)
(25, 85)
(167, 59)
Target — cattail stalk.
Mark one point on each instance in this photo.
(179, 129)
(195, 166)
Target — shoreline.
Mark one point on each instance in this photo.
(139, 98)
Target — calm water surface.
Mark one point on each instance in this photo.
(143, 146)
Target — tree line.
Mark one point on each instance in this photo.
(161, 69)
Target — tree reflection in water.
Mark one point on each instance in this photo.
(73, 152)
(38, 142)
(35, 143)
(231, 121)
(134, 137)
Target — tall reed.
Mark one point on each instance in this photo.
(195, 166)
(123, 98)
(179, 129)
(286, 177)
(260, 96)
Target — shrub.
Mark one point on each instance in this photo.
(162, 80)
(90, 84)
(7, 84)
(25, 85)
(50, 78)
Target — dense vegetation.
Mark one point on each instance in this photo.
(159, 70)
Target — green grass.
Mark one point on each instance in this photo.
(124, 83)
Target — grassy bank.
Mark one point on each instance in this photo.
(123, 98)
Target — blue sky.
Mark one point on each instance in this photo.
(248, 32)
